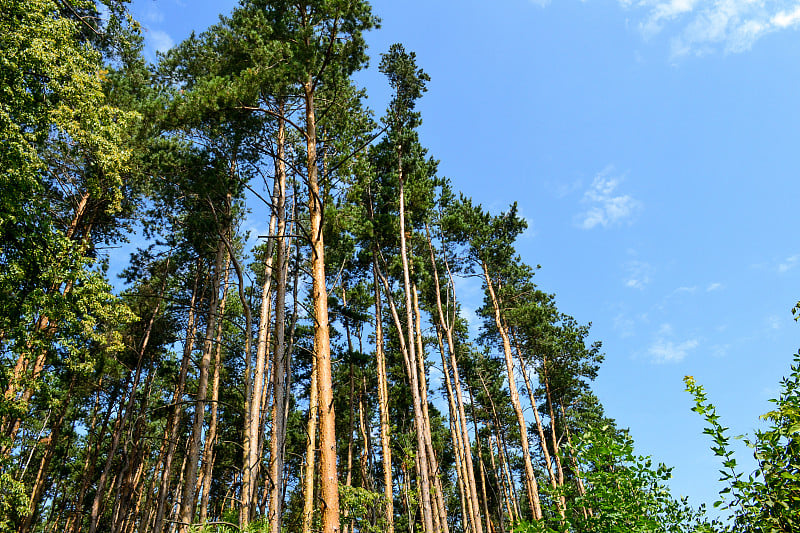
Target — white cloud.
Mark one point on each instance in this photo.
(703, 26)
(153, 14)
(160, 41)
(606, 207)
(784, 19)
(563, 189)
(720, 350)
(670, 352)
(714, 287)
(638, 274)
(681, 290)
(788, 264)
(624, 325)
(773, 322)
(666, 350)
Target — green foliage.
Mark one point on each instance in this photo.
(363, 508)
(624, 492)
(768, 500)
(13, 502)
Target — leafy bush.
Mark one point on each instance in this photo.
(768, 500)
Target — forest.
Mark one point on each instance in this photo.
(326, 378)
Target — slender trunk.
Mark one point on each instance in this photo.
(383, 391)
(246, 510)
(173, 421)
(440, 514)
(447, 326)
(122, 421)
(458, 445)
(280, 367)
(506, 459)
(553, 438)
(211, 438)
(530, 478)
(179, 489)
(348, 481)
(117, 433)
(322, 343)
(503, 476)
(257, 397)
(365, 461)
(128, 478)
(424, 482)
(311, 449)
(481, 464)
(87, 473)
(44, 465)
(539, 427)
(562, 502)
(188, 500)
(409, 359)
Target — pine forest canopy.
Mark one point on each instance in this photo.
(225, 386)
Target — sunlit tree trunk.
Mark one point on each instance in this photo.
(176, 411)
(311, 450)
(461, 426)
(211, 438)
(188, 500)
(322, 345)
(383, 390)
(280, 367)
(531, 485)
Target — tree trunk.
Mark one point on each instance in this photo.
(530, 478)
(173, 421)
(424, 482)
(440, 514)
(211, 439)
(188, 500)
(311, 450)
(322, 343)
(383, 391)
(447, 326)
(281, 360)
(409, 360)
(562, 501)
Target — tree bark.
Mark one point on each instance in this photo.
(322, 343)
(173, 422)
(383, 389)
(211, 438)
(447, 326)
(188, 500)
(530, 478)
(281, 364)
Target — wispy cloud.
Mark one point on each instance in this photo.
(665, 350)
(773, 322)
(563, 189)
(153, 14)
(637, 274)
(160, 41)
(624, 325)
(714, 287)
(685, 290)
(703, 26)
(788, 263)
(606, 206)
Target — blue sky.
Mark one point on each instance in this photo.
(652, 146)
